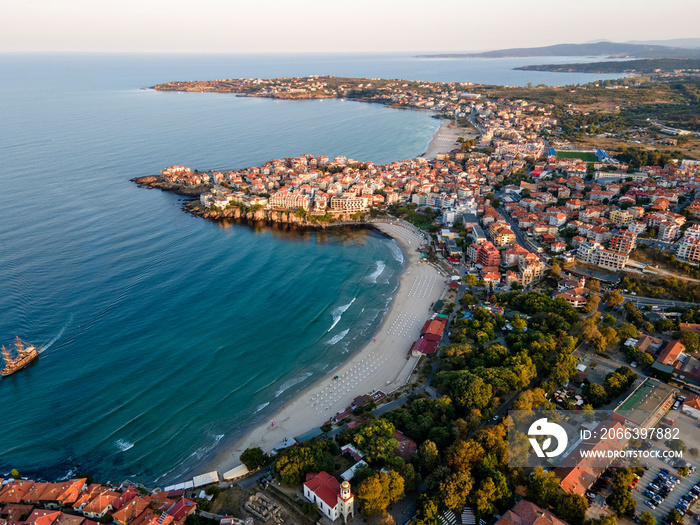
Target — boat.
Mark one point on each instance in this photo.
(24, 354)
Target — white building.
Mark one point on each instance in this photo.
(332, 498)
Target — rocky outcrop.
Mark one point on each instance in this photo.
(258, 215)
(156, 181)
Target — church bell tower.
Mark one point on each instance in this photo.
(345, 501)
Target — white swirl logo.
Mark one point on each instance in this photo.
(542, 427)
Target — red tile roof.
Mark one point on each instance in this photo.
(526, 513)
(324, 486)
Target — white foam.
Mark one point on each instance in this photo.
(260, 407)
(396, 250)
(337, 313)
(338, 337)
(376, 273)
(123, 445)
(289, 384)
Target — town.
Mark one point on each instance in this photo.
(573, 283)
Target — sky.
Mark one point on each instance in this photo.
(274, 26)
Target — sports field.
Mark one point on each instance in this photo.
(587, 156)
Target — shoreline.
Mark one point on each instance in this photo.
(381, 364)
(445, 139)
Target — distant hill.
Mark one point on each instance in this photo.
(643, 66)
(593, 49)
(689, 43)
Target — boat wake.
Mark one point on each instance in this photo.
(338, 337)
(48, 345)
(123, 445)
(376, 273)
(337, 313)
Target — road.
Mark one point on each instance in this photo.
(660, 271)
(660, 302)
(523, 241)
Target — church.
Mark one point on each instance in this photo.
(333, 498)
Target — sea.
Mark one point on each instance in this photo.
(165, 336)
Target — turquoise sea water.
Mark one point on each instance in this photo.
(165, 334)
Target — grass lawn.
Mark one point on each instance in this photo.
(583, 155)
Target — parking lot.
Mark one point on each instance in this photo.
(688, 433)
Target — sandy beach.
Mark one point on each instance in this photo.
(383, 364)
(445, 139)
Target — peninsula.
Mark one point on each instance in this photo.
(555, 208)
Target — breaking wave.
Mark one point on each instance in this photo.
(376, 273)
(123, 445)
(338, 337)
(396, 251)
(289, 384)
(337, 313)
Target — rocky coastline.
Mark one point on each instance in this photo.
(238, 213)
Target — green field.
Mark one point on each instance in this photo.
(587, 156)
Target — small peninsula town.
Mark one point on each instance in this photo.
(551, 240)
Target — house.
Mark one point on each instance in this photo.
(131, 510)
(589, 458)
(181, 509)
(671, 353)
(526, 513)
(14, 491)
(43, 517)
(691, 406)
(332, 498)
(573, 296)
(406, 447)
(100, 504)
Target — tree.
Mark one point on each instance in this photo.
(555, 270)
(614, 298)
(470, 279)
(588, 413)
(592, 303)
(455, 489)
(645, 518)
(571, 508)
(486, 496)
(674, 516)
(376, 439)
(253, 458)
(377, 492)
(596, 395)
(620, 500)
(463, 455)
(627, 330)
(518, 323)
(593, 285)
(428, 457)
(387, 519)
(690, 340)
(542, 487)
(296, 462)
(645, 359)
(428, 511)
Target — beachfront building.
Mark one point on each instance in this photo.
(332, 498)
(349, 203)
